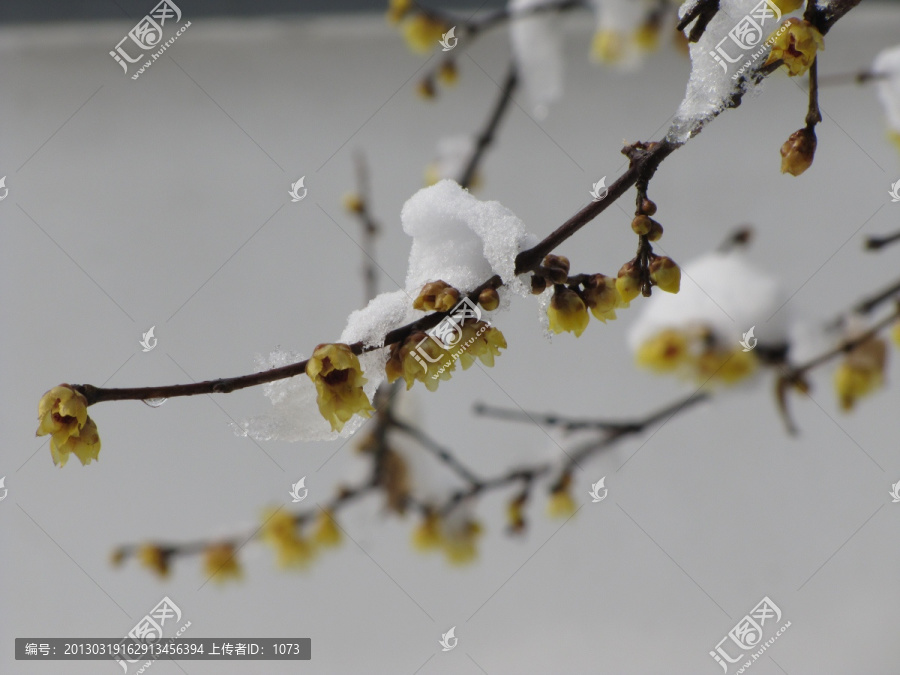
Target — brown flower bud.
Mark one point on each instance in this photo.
(798, 151)
(641, 225)
(648, 207)
(656, 231)
(538, 284)
(557, 267)
(489, 299)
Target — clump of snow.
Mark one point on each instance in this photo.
(721, 292)
(716, 78)
(461, 240)
(452, 155)
(383, 313)
(537, 49)
(295, 414)
(888, 62)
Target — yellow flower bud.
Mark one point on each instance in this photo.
(489, 299)
(628, 283)
(798, 151)
(62, 413)
(641, 224)
(656, 231)
(338, 377)
(665, 274)
(567, 312)
(796, 45)
(437, 296)
(220, 562)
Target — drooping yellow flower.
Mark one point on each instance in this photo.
(281, 532)
(422, 33)
(515, 513)
(796, 45)
(62, 412)
(480, 341)
(561, 504)
(567, 312)
(664, 352)
(602, 297)
(427, 536)
(336, 372)
(419, 357)
(154, 558)
(459, 543)
(798, 151)
(665, 274)
(608, 46)
(326, 533)
(220, 562)
(861, 372)
(628, 283)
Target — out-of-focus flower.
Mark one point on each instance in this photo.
(62, 412)
(567, 312)
(353, 202)
(459, 541)
(727, 366)
(427, 535)
(281, 532)
(796, 46)
(448, 73)
(338, 377)
(608, 46)
(665, 352)
(515, 513)
(861, 372)
(646, 37)
(798, 151)
(887, 67)
(220, 562)
(154, 558)
(787, 6)
(561, 504)
(326, 532)
(397, 9)
(422, 33)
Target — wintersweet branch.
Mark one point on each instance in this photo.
(645, 159)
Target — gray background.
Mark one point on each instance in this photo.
(163, 201)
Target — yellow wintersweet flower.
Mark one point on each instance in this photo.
(861, 372)
(336, 372)
(567, 312)
(280, 531)
(664, 352)
(608, 46)
(787, 6)
(480, 341)
(428, 536)
(327, 533)
(665, 274)
(422, 33)
(796, 46)
(220, 562)
(154, 558)
(725, 365)
(459, 543)
(62, 412)
(436, 296)
(628, 283)
(561, 504)
(602, 297)
(397, 9)
(419, 358)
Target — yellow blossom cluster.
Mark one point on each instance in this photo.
(457, 540)
(62, 412)
(692, 354)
